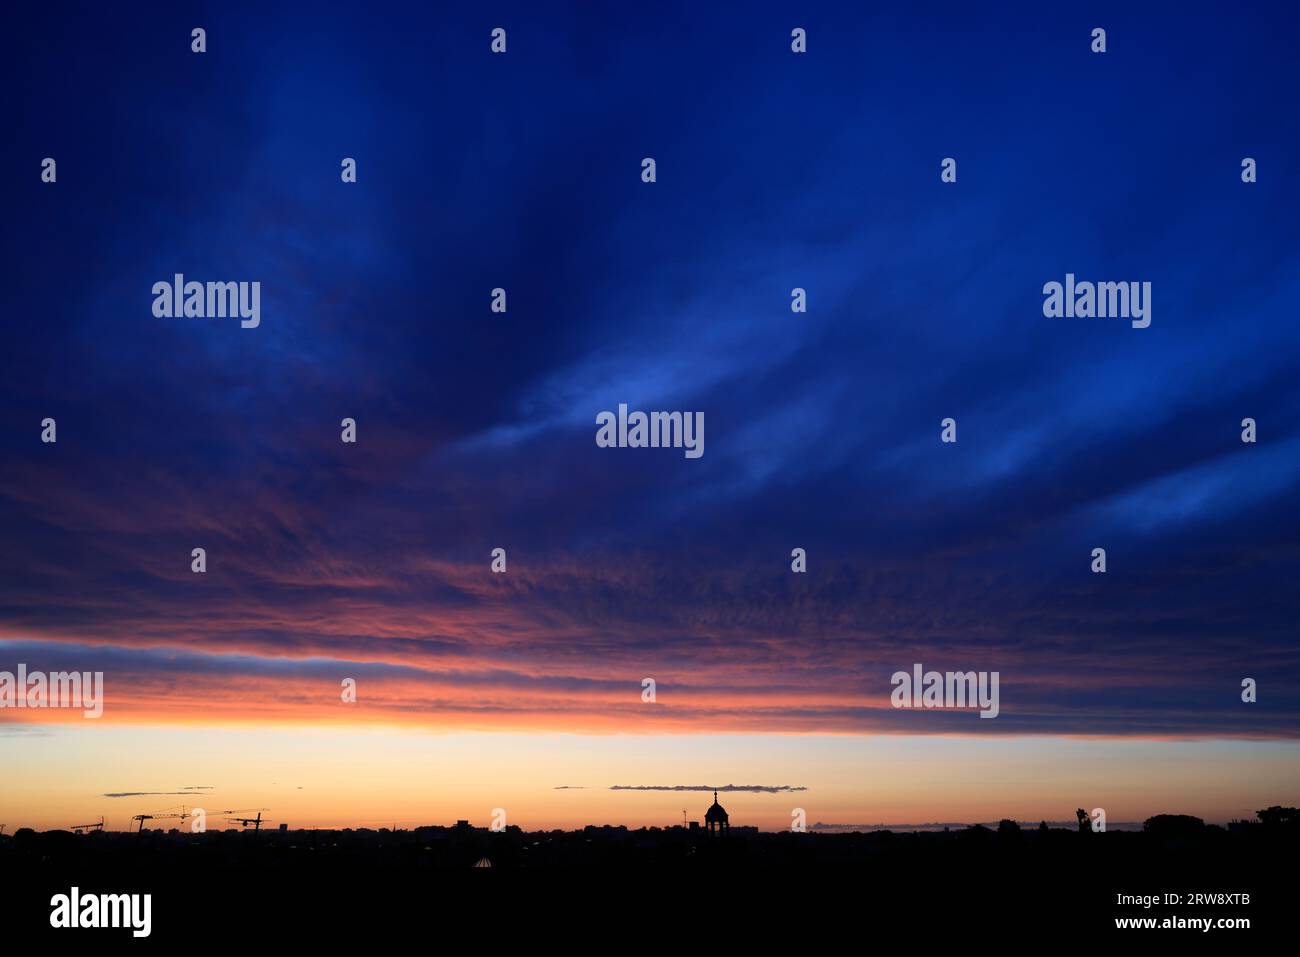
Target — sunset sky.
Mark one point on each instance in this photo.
(476, 430)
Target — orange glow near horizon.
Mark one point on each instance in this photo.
(331, 777)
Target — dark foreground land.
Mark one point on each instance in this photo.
(322, 885)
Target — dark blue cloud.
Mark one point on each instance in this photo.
(775, 171)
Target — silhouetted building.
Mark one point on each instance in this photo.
(716, 819)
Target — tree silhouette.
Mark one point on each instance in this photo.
(1278, 816)
(1085, 822)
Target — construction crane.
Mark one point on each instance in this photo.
(157, 817)
(87, 828)
(245, 821)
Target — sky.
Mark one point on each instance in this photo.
(476, 429)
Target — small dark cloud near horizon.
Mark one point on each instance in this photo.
(746, 788)
(183, 791)
(570, 787)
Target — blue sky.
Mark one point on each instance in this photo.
(476, 430)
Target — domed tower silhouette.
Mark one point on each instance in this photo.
(716, 819)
